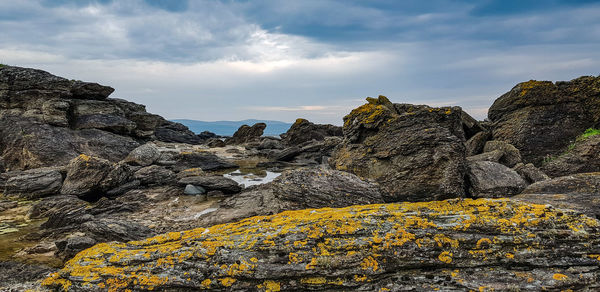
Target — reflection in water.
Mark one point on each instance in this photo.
(252, 178)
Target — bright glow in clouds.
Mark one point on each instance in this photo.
(233, 60)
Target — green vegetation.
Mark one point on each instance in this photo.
(2, 65)
(588, 133)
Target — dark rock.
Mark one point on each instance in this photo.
(204, 160)
(476, 143)
(510, 155)
(297, 189)
(190, 172)
(579, 192)
(541, 118)
(303, 131)
(530, 173)
(124, 188)
(205, 135)
(86, 90)
(90, 177)
(438, 245)
(287, 154)
(210, 183)
(215, 142)
(105, 230)
(71, 246)
(471, 126)
(17, 276)
(176, 132)
(581, 156)
(33, 183)
(193, 190)
(270, 144)
(154, 175)
(416, 153)
(52, 205)
(246, 134)
(493, 180)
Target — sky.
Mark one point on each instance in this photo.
(317, 59)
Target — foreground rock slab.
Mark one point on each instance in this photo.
(447, 245)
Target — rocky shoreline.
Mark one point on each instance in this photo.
(97, 194)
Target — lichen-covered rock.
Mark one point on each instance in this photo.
(579, 192)
(582, 156)
(246, 134)
(541, 118)
(493, 180)
(415, 152)
(304, 131)
(444, 245)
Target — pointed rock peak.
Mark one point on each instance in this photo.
(381, 100)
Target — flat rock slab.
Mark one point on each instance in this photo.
(446, 245)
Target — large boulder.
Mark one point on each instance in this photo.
(144, 155)
(46, 120)
(246, 134)
(203, 160)
(90, 177)
(510, 154)
(581, 156)
(493, 180)
(442, 245)
(579, 192)
(296, 189)
(415, 152)
(31, 184)
(303, 131)
(541, 118)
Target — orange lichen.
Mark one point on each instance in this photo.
(560, 277)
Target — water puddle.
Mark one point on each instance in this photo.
(252, 178)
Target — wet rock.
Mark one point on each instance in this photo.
(144, 155)
(475, 144)
(246, 134)
(193, 190)
(154, 175)
(31, 184)
(416, 153)
(579, 192)
(303, 131)
(581, 156)
(210, 183)
(362, 248)
(530, 173)
(541, 118)
(90, 177)
(203, 160)
(493, 180)
(510, 155)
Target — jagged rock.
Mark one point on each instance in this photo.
(210, 183)
(415, 152)
(581, 156)
(579, 192)
(269, 143)
(205, 135)
(475, 144)
(154, 175)
(69, 247)
(246, 134)
(530, 173)
(124, 188)
(493, 156)
(90, 177)
(287, 154)
(297, 189)
(176, 132)
(478, 244)
(215, 142)
(203, 160)
(48, 206)
(493, 180)
(193, 190)
(541, 118)
(510, 155)
(303, 131)
(33, 183)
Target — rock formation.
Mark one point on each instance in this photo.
(246, 134)
(447, 245)
(541, 118)
(304, 131)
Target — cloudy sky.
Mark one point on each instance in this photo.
(318, 59)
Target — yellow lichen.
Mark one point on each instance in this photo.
(560, 277)
(445, 257)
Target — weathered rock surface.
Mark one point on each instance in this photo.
(304, 131)
(541, 118)
(579, 192)
(144, 155)
(510, 154)
(296, 189)
(32, 183)
(530, 173)
(246, 134)
(203, 160)
(444, 245)
(475, 144)
(217, 183)
(90, 177)
(154, 175)
(493, 180)
(416, 153)
(581, 157)
(46, 120)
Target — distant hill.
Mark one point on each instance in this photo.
(227, 128)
